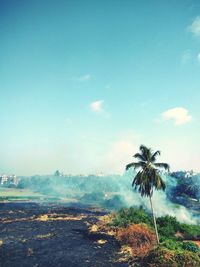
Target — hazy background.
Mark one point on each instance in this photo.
(84, 83)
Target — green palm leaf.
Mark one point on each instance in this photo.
(148, 177)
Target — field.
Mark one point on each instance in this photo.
(17, 195)
(33, 234)
(47, 230)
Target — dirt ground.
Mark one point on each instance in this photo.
(53, 235)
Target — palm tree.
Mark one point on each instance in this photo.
(148, 177)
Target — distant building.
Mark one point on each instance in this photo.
(3, 179)
(6, 180)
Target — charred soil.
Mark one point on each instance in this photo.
(35, 235)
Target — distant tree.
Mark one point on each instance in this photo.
(193, 188)
(148, 177)
(187, 187)
(57, 173)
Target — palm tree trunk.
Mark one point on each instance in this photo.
(154, 220)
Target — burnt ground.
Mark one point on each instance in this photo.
(53, 235)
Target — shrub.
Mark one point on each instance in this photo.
(168, 226)
(172, 244)
(187, 259)
(191, 246)
(190, 231)
(139, 237)
(132, 215)
(164, 257)
(161, 257)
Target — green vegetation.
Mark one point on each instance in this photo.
(132, 215)
(187, 186)
(168, 226)
(135, 225)
(191, 246)
(15, 194)
(175, 248)
(190, 231)
(148, 177)
(163, 257)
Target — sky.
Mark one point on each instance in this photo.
(84, 83)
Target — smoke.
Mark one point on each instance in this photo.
(109, 191)
(162, 205)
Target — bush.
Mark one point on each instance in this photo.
(187, 259)
(139, 237)
(164, 257)
(168, 226)
(190, 231)
(129, 216)
(190, 246)
(172, 244)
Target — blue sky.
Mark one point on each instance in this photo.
(84, 83)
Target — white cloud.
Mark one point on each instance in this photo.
(97, 106)
(179, 115)
(195, 27)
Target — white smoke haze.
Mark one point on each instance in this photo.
(165, 207)
(162, 206)
(97, 190)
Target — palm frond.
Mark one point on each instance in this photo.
(158, 182)
(164, 166)
(148, 177)
(135, 165)
(144, 151)
(139, 156)
(142, 183)
(143, 148)
(153, 157)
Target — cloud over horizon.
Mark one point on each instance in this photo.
(179, 115)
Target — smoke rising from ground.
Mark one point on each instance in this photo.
(113, 191)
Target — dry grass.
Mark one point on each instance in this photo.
(125, 254)
(47, 217)
(44, 236)
(59, 217)
(139, 237)
(17, 220)
(101, 241)
(94, 228)
(102, 226)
